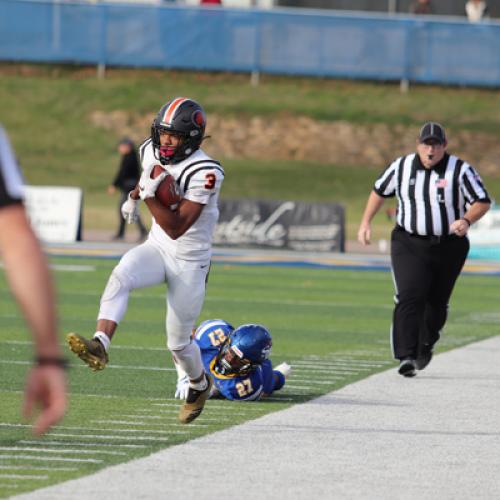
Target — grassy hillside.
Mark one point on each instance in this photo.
(46, 110)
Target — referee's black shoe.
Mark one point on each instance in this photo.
(407, 367)
(424, 358)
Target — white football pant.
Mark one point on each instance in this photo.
(147, 265)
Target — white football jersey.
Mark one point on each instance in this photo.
(199, 178)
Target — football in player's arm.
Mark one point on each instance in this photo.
(237, 360)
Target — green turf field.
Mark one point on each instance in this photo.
(330, 325)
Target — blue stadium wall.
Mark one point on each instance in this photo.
(279, 41)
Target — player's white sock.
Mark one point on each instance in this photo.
(199, 386)
(103, 339)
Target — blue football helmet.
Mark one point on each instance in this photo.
(246, 348)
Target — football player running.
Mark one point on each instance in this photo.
(177, 251)
(237, 361)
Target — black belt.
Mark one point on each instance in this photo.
(434, 239)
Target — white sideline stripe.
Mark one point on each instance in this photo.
(148, 368)
(139, 424)
(314, 380)
(72, 267)
(183, 426)
(160, 417)
(300, 387)
(318, 376)
(147, 417)
(55, 459)
(120, 422)
(294, 303)
(89, 429)
(75, 395)
(333, 367)
(171, 411)
(34, 468)
(80, 365)
(279, 399)
(329, 370)
(177, 403)
(319, 361)
(249, 414)
(22, 476)
(74, 443)
(332, 381)
(178, 424)
(111, 396)
(149, 410)
(214, 404)
(25, 342)
(166, 404)
(59, 450)
(122, 438)
(339, 361)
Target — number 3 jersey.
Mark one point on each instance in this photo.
(199, 178)
(210, 336)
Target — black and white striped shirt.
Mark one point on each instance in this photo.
(429, 200)
(11, 180)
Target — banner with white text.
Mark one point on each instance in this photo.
(291, 225)
(55, 212)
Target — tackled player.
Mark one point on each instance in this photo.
(237, 360)
(177, 251)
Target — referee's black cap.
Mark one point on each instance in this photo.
(432, 130)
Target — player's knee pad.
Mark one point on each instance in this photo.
(178, 331)
(118, 282)
(179, 345)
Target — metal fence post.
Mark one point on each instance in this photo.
(255, 75)
(103, 18)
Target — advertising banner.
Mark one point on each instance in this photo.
(487, 230)
(55, 212)
(291, 225)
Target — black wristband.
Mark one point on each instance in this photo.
(45, 361)
(467, 220)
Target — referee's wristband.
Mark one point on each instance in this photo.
(467, 220)
(46, 361)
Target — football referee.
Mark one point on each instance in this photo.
(439, 197)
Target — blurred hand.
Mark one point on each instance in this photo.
(459, 227)
(45, 389)
(365, 234)
(130, 210)
(111, 190)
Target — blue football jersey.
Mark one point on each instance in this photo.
(210, 336)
